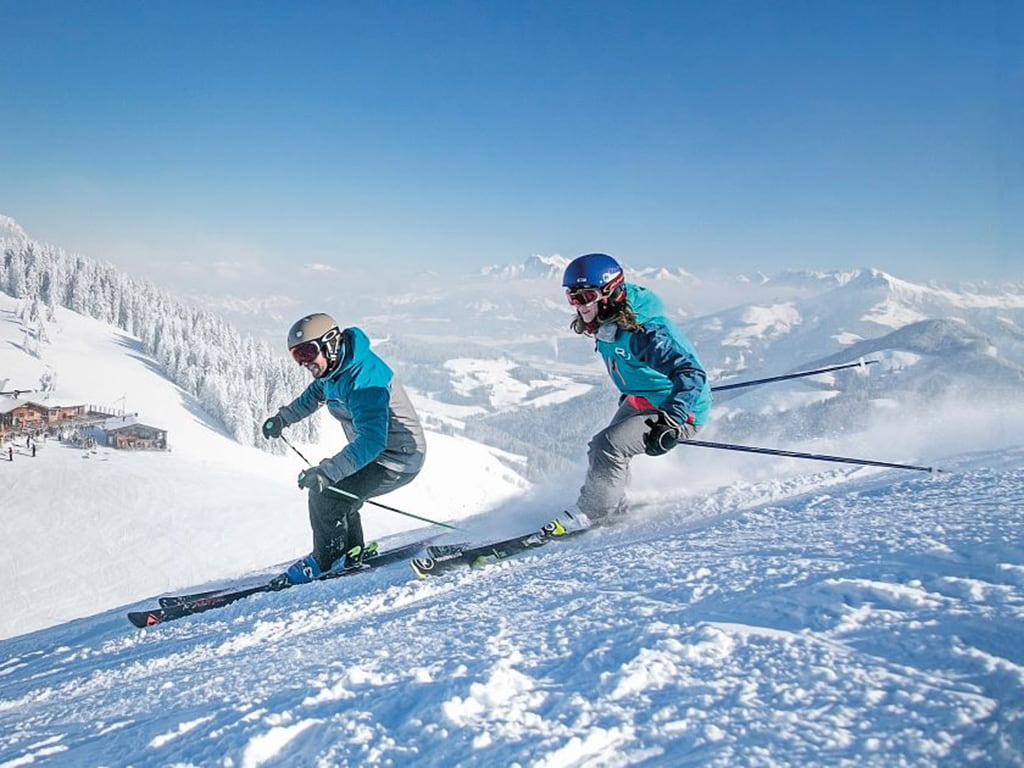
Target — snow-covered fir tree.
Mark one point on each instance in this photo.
(237, 379)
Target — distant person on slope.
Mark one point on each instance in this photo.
(386, 445)
(665, 392)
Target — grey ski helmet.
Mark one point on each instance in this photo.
(313, 334)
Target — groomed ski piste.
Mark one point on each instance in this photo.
(850, 617)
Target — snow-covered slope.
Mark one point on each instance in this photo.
(84, 530)
(837, 619)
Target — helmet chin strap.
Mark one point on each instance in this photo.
(334, 353)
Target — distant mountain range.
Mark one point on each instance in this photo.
(489, 352)
(868, 305)
(552, 267)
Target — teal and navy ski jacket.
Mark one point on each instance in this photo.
(373, 408)
(657, 362)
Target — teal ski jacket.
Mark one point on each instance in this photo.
(374, 410)
(657, 362)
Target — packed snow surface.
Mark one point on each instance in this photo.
(847, 618)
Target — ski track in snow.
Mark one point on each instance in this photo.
(851, 618)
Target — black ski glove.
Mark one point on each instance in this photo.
(663, 436)
(272, 427)
(314, 478)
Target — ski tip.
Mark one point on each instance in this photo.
(143, 619)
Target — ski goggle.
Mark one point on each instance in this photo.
(581, 297)
(307, 351)
(585, 295)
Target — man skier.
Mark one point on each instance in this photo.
(665, 392)
(386, 444)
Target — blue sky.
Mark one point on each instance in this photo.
(726, 136)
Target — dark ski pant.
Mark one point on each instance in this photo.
(610, 451)
(335, 518)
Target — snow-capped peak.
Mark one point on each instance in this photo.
(811, 278)
(535, 266)
(664, 273)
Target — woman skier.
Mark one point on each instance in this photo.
(665, 393)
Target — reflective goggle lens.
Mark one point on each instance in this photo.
(580, 297)
(306, 352)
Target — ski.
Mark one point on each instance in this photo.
(443, 558)
(179, 606)
(174, 601)
(217, 600)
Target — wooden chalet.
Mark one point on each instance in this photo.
(30, 416)
(127, 433)
(121, 432)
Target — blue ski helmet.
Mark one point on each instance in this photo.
(592, 270)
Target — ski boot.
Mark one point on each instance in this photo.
(355, 557)
(302, 571)
(566, 524)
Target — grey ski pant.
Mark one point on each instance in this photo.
(335, 519)
(610, 451)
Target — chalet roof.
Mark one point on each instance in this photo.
(118, 423)
(8, 404)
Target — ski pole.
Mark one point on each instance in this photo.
(392, 509)
(798, 455)
(755, 382)
(349, 495)
(285, 440)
